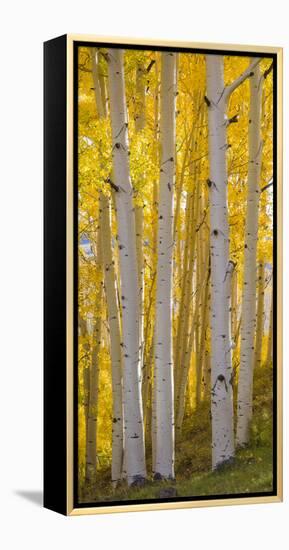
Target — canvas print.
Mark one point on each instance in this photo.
(175, 254)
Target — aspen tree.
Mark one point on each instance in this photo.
(163, 375)
(115, 340)
(185, 285)
(83, 331)
(260, 314)
(156, 151)
(111, 297)
(221, 368)
(186, 364)
(221, 389)
(270, 333)
(234, 303)
(202, 351)
(248, 315)
(139, 216)
(132, 398)
(92, 413)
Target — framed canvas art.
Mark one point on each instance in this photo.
(163, 274)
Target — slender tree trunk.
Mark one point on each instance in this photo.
(115, 340)
(260, 315)
(270, 333)
(202, 350)
(98, 91)
(154, 244)
(139, 214)
(221, 375)
(186, 364)
(186, 285)
(248, 323)
(86, 348)
(234, 303)
(111, 297)
(201, 277)
(163, 376)
(207, 360)
(132, 398)
(92, 416)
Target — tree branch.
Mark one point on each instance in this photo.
(246, 74)
(266, 186)
(268, 71)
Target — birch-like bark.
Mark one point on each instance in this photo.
(154, 241)
(83, 331)
(115, 340)
(207, 360)
(217, 99)
(111, 297)
(139, 215)
(270, 333)
(221, 367)
(98, 93)
(92, 415)
(132, 399)
(186, 365)
(248, 316)
(260, 315)
(203, 338)
(234, 303)
(163, 375)
(186, 285)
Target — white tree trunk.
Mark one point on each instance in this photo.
(99, 100)
(221, 373)
(94, 329)
(115, 340)
(248, 316)
(260, 315)
(270, 333)
(111, 297)
(140, 120)
(163, 376)
(132, 400)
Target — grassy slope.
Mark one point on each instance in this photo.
(250, 472)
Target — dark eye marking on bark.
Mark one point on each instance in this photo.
(115, 187)
(233, 119)
(220, 378)
(211, 183)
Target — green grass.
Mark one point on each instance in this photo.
(250, 472)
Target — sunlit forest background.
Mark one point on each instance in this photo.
(101, 340)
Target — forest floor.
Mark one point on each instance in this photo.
(250, 472)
